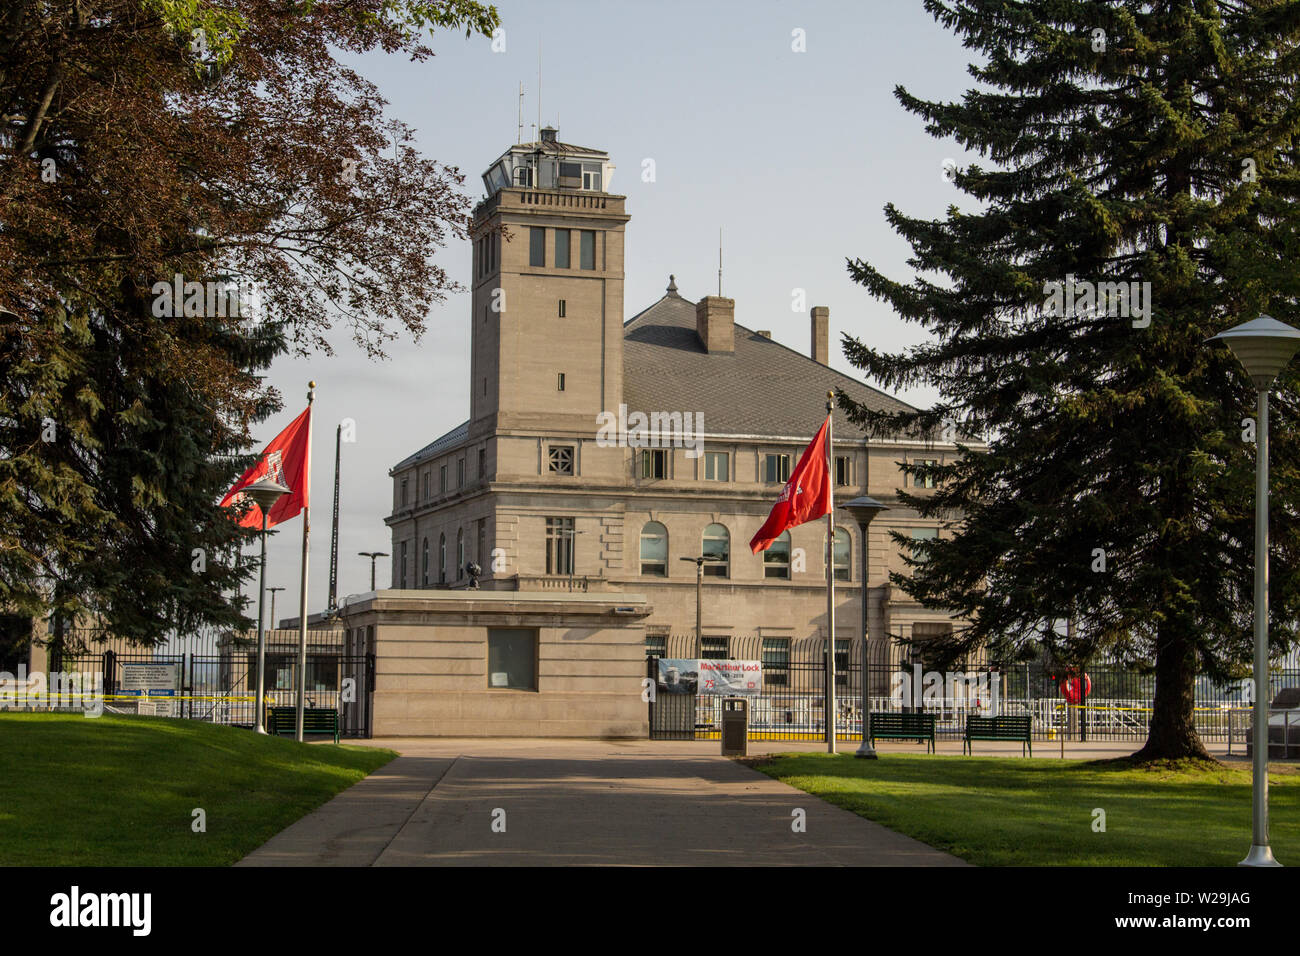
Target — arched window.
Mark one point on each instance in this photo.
(460, 552)
(776, 559)
(843, 554)
(425, 563)
(654, 549)
(442, 559)
(717, 551)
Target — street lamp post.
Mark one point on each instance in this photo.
(272, 621)
(863, 509)
(1263, 346)
(265, 494)
(372, 555)
(699, 563)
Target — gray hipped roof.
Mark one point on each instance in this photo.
(762, 388)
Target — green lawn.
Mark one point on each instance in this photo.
(1034, 812)
(120, 791)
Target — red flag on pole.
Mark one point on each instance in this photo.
(805, 497)
(285, 460)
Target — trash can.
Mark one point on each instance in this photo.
(735, 727)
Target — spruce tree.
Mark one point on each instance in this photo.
(1146, 143)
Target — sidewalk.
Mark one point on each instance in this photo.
(444, 802)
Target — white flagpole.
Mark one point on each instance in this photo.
(302, 600)
(830, 581)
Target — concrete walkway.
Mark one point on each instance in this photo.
(576, 802)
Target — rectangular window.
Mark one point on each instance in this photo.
(460, 472)
(512, 658)
(714, 648)
(559, 383)
(426, 486)
(402, 568)
(841, 662)
(843, 470)
(928, 480)
(587, 249)
(561, 310)
(562, 249)
(536, 246)
(776, 469)
(403, 491)
(776, 661)
(559, 545)
(482, 463)
(570, 175)
(561, 459)
(656, 645)
(481, 541)
(442, 479)
(654, 463)
(923, 534)
(591, 178)
(715, 466)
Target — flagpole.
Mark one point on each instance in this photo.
(830, 580)
(302, 600)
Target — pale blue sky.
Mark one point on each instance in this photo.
(793, 155)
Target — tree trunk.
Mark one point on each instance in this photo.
(1172, 735)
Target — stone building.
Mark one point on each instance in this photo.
(602, 453)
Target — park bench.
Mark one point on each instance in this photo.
(283, 721)
(918, 727)
(998, 728)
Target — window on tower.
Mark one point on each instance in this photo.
(536, 246)
(562, 248)
(587, 250)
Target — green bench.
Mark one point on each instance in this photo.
(918, 727)
(283, 721)
(998, 728)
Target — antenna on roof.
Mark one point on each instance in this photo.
(539, 87)
(519, 132)
(719, 261)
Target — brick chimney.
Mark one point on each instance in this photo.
(821, 334)
(715, 323)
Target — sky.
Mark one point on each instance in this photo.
(793, 154)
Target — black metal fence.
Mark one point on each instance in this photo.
(792, 705)
(216, 677)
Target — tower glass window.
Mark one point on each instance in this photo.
(562, 249)
(776, 468)
(715, 466)
(654, 550)
(559, 545)
(654, 463)
(536, 246)
(717, 551)
(587, 249)
(776, 559)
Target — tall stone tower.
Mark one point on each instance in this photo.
(547, 340)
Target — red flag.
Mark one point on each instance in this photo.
(285, 460)
(807, 495)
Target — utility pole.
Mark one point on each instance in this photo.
(334, 535)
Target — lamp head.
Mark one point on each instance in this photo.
(266, 493)
(864, 508)
(1263, 346)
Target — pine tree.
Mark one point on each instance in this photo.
(1146, 143)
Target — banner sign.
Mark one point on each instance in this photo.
(150, 682)
(710, 678)
(730, 678)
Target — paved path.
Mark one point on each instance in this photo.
(579, 802)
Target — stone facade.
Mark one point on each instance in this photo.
(527, 480)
